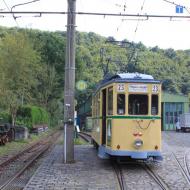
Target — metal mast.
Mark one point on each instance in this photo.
(69, 85)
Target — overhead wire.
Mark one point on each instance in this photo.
(173, 3)
(82, 6)
(12, 13)
(25, 3)
(33, 1)
(96, 14)
(176, 4)
(135, 32)
(141, 17)
(138, 21)
(124, 10)
(122, 20)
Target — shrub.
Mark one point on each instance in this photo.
(5, 117)
(32, 115)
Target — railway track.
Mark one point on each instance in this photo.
(15, 167)
(7, 183)
(186, 165)
(117, 168)
(119, 174)
(8, 159)
(181, 161)
(183, 167)
(154, 176)
(85, 136)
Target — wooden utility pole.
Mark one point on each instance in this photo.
(69, 89)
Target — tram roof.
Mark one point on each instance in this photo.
(128, 77)
(133, 76)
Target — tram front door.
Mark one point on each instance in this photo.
(104, 117)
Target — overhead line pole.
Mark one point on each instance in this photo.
(69, 89)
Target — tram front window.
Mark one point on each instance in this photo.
(154, 107)
(121, 104)
(138, 104)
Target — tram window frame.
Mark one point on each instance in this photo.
(92, 107)
(95, 107)
(98, 104)
(156, 105)
(121, 108)
(133, 108)
(110, 101)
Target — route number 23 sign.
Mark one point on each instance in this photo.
(120, 87)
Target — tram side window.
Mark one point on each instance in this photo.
(98, 104)
(92, 106)
(138, 104)
(110, 101)
(95, 105)
(121, 104)
(154, 105)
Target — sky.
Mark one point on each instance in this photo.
(162, 32)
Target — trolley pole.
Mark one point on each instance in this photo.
(69, 88)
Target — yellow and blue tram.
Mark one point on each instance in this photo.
(126, 112)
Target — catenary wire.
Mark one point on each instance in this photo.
(12, 13)
(173, 3)
(138, 21)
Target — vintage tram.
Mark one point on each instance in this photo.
(126, 113)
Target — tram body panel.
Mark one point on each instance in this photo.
(126, 131)
(96, 132)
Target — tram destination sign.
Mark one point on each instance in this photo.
(137, 88)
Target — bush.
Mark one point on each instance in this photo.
(5, 117)
(32, 115)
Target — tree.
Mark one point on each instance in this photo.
(18, 71)
(49, 91)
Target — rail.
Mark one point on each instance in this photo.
(15, 166)
(184, 169)
(33, 158)
(119, 174)
(85, 136)
(154, 176)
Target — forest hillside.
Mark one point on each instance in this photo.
(32, 66)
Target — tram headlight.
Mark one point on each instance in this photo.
(138, 143)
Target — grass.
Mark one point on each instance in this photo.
(77, 141)
(11, 147)
(18, 145)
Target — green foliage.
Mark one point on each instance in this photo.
(18, 71)
(31, 115)
(79, 141)
(49, 91)
(32, 66)
(31, 69)
(5, 117)
(97, 56)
